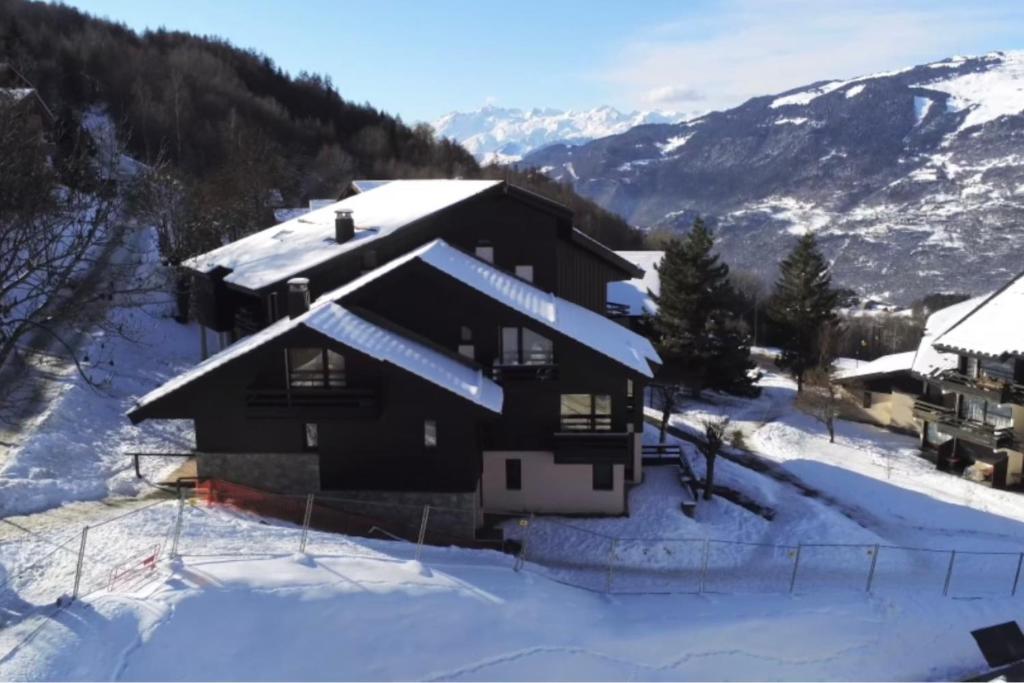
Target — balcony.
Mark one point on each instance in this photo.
(931, 412)
(977, 432)
(590, 447)
(989, 388)
(339, 402)
(530, 365)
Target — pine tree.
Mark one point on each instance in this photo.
(699, 337)
(803, 304)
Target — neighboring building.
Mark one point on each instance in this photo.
(241, 287)
(635, 298)
(881, 392)
(972, 408)
(436, 378)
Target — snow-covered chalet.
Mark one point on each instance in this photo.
(436, 342)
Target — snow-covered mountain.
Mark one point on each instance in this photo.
(913, 179)
(505, 135)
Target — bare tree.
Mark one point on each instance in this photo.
(710, 444)
(821, 400)
(667, 394)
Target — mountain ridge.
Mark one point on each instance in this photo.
(922, 165)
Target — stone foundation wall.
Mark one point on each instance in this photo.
(454, 514)
(297, 473)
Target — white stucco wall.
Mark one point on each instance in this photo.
(549, 488)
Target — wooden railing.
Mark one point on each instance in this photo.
(614, 310)
(586, 423)
(524, 372)
(991, 388)
(339, 402)
(931, 412)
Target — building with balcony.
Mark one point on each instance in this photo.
(971, 407)
(436, 378)
(881, 392)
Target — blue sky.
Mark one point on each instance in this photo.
(423, 59)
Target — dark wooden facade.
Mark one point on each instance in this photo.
(522, 228)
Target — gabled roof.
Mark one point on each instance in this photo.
(345, 327)
(879, 367)
(285, 250)
(581, 324)
(929, 361)
(601, 251)
(993, 329)
(639, 294)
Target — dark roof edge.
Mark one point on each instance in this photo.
(595, 247)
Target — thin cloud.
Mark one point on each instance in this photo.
(752, 48)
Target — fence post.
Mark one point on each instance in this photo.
(81, 562)
(796, 566)
(871, 571)
(521, 557)
(611, 564)
(1016, 577)
(949, 572)
(178, 522)
(307, 516)
(423, 531)
(704, 563)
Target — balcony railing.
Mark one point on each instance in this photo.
(614, 310)
(983, 386)
(334, 402)
(931, 412)
(578, 447)
(529, 365)
(586, 423)
(979, 433)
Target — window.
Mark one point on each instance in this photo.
(985, 412)
(467, 350)
(604, 477)
(522, 346)
(514, 474)
(525, 273)
(866, 400)
(465, 334)
(998, 370)
(430, 433)
(311, 367)
(971, 367)
(629, 388)
(586, 413)
(466, 347)
(311, 436)
(485, 252)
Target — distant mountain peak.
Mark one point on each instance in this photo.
(499, 134)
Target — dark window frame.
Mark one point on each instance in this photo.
(321, 378)
(592, 421)
(603, 476)
(519, 355)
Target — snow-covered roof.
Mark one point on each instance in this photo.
(637, 293)
(581, 324)
(345, 327)
(995, 328)
(282, 251)
(928, 360)
(15, 94)
(884, 365)
(367, 185)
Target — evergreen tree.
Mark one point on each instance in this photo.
(803, 304)
(700, 339)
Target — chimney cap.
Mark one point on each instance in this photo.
(298, 283)
(343, 212)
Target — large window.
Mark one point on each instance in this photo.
(986, 412)
(513, 474)
(523, 346)
(312, 367)
(586, 413)
(998, 370)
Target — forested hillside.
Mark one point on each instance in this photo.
(231, 124)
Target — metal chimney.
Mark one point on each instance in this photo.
(298, 296)
(344, 225)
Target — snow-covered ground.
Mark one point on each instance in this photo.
(358, 609)
(77, 448)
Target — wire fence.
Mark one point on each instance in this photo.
(217, 519)
(600, 562)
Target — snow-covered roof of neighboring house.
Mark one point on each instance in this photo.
(572, 320)
(928, 361)
(282, 251)
(883, 365)
(637, 293)
(367, 185)
(345, 327)
(994, 329)
(15, 94)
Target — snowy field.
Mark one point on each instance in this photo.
(359, 609)
(77, 448)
